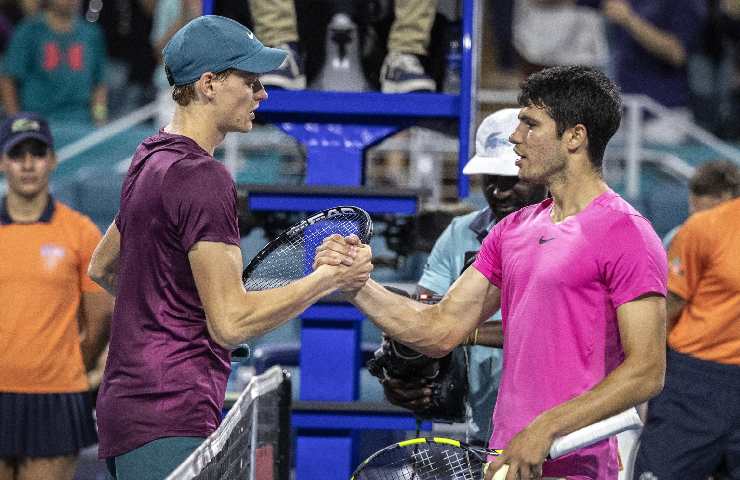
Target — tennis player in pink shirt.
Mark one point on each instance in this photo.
(580, 279)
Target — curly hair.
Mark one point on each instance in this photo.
(574, 95)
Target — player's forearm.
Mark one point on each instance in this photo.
(662, 44)
(630, 384)
(420, 326)
(256, 313)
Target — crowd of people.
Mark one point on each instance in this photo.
(105, 60)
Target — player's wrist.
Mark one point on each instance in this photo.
(547, 425)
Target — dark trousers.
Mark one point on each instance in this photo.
(694, 424)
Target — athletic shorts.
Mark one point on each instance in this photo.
(154, 460)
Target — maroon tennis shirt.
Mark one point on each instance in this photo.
(165, 376)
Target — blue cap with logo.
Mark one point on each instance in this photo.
(212, 43)
(24, 126)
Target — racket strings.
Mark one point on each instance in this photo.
(293, 257)
(423, 462)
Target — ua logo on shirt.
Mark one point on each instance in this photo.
(52, 255)
(53, 56)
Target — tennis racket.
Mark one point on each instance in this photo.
(290, 256)
(434, 458)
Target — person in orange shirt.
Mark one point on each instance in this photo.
(714, 182)
(693, 426)
(54, 320)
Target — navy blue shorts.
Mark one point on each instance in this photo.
(45, 424)
(693, 426)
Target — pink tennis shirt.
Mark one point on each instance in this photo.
(561, 285)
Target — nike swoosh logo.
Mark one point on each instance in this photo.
(545, 240)
(250, 35)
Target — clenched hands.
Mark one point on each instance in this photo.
(349, 258)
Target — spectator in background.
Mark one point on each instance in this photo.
(127, 26)
(55, 320)
(402, 70)
(169, 16)
(650, 47)
(55, 65)
(692, 426)
(548, 33)
(730, 24)
(16, 10)
(714, 182)
(6, 31)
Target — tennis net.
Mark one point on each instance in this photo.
(253, 440)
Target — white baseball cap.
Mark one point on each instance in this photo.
(494, 154)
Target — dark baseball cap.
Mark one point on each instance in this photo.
(212, 43)
(23, 126)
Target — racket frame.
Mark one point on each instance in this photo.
(299, 227)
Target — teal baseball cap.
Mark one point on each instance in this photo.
(212, 43)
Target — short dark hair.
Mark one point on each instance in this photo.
(577, 94)
(184, 94)
(716, 177)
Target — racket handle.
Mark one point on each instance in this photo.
(501, 473)
(627, 420)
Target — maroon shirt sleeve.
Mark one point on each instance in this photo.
(200, 200)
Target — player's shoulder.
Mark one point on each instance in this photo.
(613, 221)
(181, 155)
(613, 211)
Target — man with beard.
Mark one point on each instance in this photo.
(453, 253)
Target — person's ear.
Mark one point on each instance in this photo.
(205, 85)
(576, 137)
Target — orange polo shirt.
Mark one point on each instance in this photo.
(43, 273)
(704, 270)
